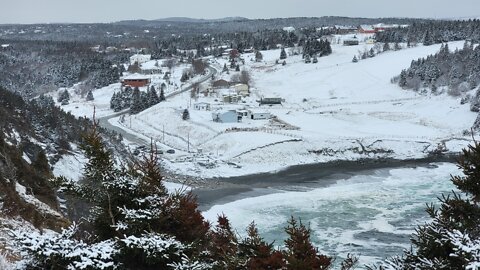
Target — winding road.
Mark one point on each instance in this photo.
(104, 121)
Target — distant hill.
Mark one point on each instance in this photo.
(183, 25)
(194, 20)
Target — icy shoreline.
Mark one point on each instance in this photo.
(216, 190)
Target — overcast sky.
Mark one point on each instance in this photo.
(51, 11)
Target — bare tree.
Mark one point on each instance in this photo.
(195, 90)
(199, 66)
(170, 63)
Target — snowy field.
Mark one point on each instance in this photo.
(332, 110)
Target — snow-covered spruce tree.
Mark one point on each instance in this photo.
(136, 105)
(307, 59)
(89, 96)
(64, 97)
(355, 59)
(300, 253)
(259, 254)
(133, 224)
(223, 246)
(258, 56)
(185, 114)
(386, 46)
(162, 92)
(283, 54)
(452, 239)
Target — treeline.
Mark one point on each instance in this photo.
(215, 44)
(35, 67)
(433, 32)
(455, 71)
(132, 33)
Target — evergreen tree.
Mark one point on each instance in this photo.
(89, 96)
(283, 54)
(64, 97)
(41, 164)
(224, 245)
(307, 59)
(153, 98)
(225, 68)
(371, 53)
(397, 46)
(354, 60)
(114, 102)
(428, 39)
(300, 253)
(258, 56)
(162, 92)
(259, 254)
(386, 46)
(136, 103)
(185, 114)
(184, 77)
(451, 240)
(314, 59)
(403, 79)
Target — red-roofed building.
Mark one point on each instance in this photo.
(366, 29)
(136, 80)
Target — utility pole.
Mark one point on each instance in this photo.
(163, 133)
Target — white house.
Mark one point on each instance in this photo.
(140, 58)
(202, 106)
(254, 115)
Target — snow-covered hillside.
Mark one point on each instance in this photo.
(334, 109)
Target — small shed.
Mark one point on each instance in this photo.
(140, 58)
(230, 116)
(202, 106)
(351, 42)
(270, 101)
